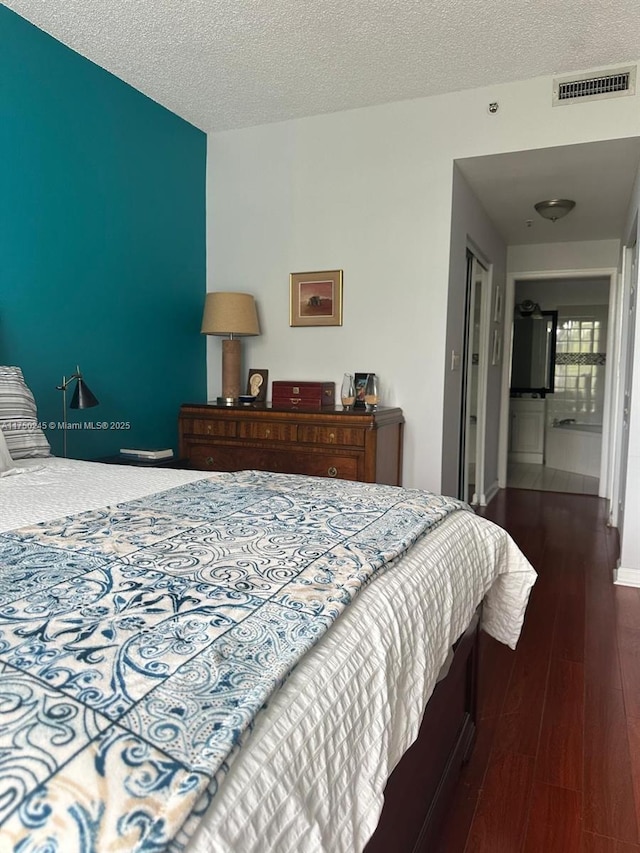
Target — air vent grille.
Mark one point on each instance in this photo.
(595, 86)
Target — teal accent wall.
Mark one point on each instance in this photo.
(102, 243)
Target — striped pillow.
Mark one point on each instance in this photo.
(19, 417)
(6, 460)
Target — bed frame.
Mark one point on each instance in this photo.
(420, 788)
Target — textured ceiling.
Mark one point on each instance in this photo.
(225, 64)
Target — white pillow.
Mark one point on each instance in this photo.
(6, 460)
(19, 417)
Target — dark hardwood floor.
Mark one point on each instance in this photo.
(556, 767)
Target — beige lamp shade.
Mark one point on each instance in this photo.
(230, 314)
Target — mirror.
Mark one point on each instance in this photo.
(533, 357)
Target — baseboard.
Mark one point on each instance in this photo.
(490, 494)
(530, 458)
(626, 577)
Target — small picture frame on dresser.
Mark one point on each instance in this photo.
(360, 381)
(257, 382)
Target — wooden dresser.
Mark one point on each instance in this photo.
(353, 445)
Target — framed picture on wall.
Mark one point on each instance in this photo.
(315, 298)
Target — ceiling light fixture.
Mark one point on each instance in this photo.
(528, 308)
(554, 208)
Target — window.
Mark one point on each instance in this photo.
(579, 373)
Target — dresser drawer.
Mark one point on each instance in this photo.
(200, 426)
(329, 465)
(267, 431)
(205, 457)
(340, 436)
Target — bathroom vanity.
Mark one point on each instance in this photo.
(527, 429)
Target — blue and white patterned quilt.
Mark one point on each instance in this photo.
(138, 642)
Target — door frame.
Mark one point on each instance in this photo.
(625, 342)
(475, 259)
(613, 343)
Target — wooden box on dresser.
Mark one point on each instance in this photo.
(354, 445)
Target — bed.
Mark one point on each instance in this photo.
(309, 771)
(233, 662)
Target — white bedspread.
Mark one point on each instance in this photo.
(312, 774)
(50, 488)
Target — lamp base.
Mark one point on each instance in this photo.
(226, 401)
(231, 360)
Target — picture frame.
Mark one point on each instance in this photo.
(255, 388)
(315, 298)
(497, 305)
(360, 381)
(496, 349)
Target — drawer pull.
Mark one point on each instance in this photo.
(267, 433)
(209, 460)
(332, 436)
(333, 471)
(295, 400)
(208, 428)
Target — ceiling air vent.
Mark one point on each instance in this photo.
(596, 86)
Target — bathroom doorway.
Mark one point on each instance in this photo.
(557, 438)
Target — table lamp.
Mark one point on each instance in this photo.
(82, 398)
(235, 315)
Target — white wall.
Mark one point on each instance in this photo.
(551, 292)
(584, 255)
(370, 191)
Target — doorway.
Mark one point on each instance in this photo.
(569, 425)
